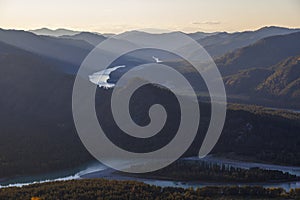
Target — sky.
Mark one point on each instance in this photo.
(115, 16)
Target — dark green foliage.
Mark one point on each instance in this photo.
(276, 85)
(264, 53)
(264, 73)
(261, 134)
(189, 170)
(100, 189)
(285, 79)
(37, 133)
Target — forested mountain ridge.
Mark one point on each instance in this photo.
(277, 83)
(65, 50)
(264, 53)
(38, 135)
(221, 43)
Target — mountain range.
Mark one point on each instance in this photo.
(219, 44)
(265, 71)
(247, 60)
(253, 74)
(70, 51)
(37, 76)
(56, 33)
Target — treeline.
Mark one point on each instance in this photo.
(261, 134)
(100, 189)
(38, 152)
(38, 145)
(265, 111)
(195, 170)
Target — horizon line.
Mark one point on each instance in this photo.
(145, 30)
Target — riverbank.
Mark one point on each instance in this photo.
(97, 170)
(111, 174)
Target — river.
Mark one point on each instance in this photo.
(97, 170)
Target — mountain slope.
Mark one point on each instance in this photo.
(245, 81)
(285, 79)
(92, 38)
(67, 50)
(222, 43)
(263, 53)
(37, 130)
(278, 84)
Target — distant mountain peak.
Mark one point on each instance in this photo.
(92, 38)
(54, 32)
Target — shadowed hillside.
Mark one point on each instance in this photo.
(221, 43)
(264, 53)
(37, 134)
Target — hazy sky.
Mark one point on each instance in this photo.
(121, 15)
